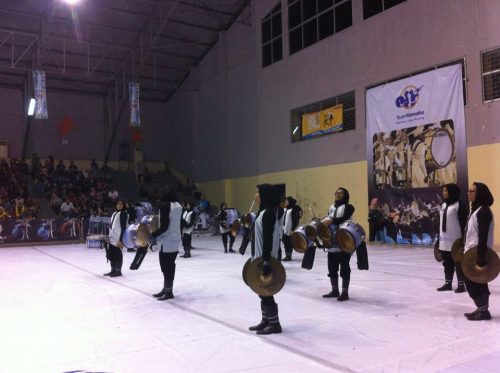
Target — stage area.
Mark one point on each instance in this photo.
(59, 314)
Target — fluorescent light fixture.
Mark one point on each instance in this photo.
(71, 2)
(295, 130)
(31, 107)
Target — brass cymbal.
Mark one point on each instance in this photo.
(143, 236)
(243, 271)
(265, 285)
(457, 250)
(481, 275)
(437, 252)
(235, 228)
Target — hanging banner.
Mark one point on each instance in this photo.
(324, 121)
(135, 116)
(416, 144)
(40, 94)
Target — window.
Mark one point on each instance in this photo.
(455, 62)
(310, 21)
(490, 68)
(373, 7)
(272, 44)
(343, 104)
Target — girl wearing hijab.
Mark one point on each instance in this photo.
(479, 232)
(168, 239)
(117, 227)
(452, 219)
(188, 219)
(288, 227)
(339, 212)
(225, 229)
(266, 239)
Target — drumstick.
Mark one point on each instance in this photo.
(251, 206)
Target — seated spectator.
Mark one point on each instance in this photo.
(61, 168)
(93, 165)
(55, 202)
(4, 214)
(67, 208)
(19, 209)
(72, 168)
(113, 194)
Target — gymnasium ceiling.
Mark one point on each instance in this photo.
(95, 46)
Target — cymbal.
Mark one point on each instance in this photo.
(481, 275)
(243, 271)
(235, 228)
(143, 235)
(457, 250)
(265, 285)
(437, 252)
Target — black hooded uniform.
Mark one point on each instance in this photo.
(265, 244)
(479, 232)
(453, 216)
(339, 212)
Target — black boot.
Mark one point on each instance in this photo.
(482, 312)
(264, 322)
(118, 269)
(344, 296)
(445, 287)
(187, 253)
(160, 294)
(334, 281)
(287, 258)
(112, 264)
(479, 315)
(345, 289)
(168, 290)
(273, 327)
(460, 288)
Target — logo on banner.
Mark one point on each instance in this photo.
(409, 97)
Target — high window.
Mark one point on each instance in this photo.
(373, 7)
(272, 40)
(490, 66)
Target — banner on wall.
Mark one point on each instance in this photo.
(135, 116)
(39, 86)
(36, 230)
(324, 121)
(416, 143)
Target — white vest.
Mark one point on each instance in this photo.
(335, 212)
(259, 239)
(453, 230)
(171, 238)
(472, 232)
(115, 227)
(187, 216)
(287, 225)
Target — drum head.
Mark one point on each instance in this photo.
(345, 240)
(299, 241)
(442, 148)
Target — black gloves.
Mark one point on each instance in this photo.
(266, 268)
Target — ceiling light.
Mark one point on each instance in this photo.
(31, 107)
(71, 2)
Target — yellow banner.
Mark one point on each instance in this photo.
(327, 120)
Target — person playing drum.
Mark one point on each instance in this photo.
(479, 232)
(117, 227)
(453, 216)
(188, 218)
(225, 228)
(339, 212)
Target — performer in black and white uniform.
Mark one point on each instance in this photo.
(168, 239)
(452, 219)
(339, 212)
(225, 228)
(187, 229)
(479, 232)
(117, 227)
(290, 223)
(265, 244)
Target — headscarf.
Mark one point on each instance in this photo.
(169, 196)
(453, 195)
(344, 200)
(483, 196)
(269, 196)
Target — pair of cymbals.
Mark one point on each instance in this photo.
(481, 275)
(437, 253)
(264, 285)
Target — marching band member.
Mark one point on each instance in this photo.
(453, 216)
(187, 229)
(339, 212)
(290, 223)
(225, 229)
(168, 239)
(479, 232)
(419, 177)
(265, 243)
(117, 227)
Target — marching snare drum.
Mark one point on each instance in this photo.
(440, 150)
(349, 235)
(136, 235)
(152, 222)
(300, 239)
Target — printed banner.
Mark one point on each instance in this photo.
(36, 230)
(416, 144)
(40, 94)
(135, 116)
(324, 121)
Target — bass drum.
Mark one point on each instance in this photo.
(152, 222)
(440, 150)
(349, 236)
(136, 235)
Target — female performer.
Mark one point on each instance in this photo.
(225, 228)
(117, 227)
(187, 229)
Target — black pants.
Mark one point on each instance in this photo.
(267, 301)
(287, 243)
(450, 268)
(476, 290)
(231, 240)
(336, 260)
(186, 240)
(114, 253)
(167, 265)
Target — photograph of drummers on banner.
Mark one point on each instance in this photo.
(227, 216)
(480, 263)
(117, 227)
(415, 157)
(263, 273)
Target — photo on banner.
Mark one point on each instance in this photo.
(416, 144)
